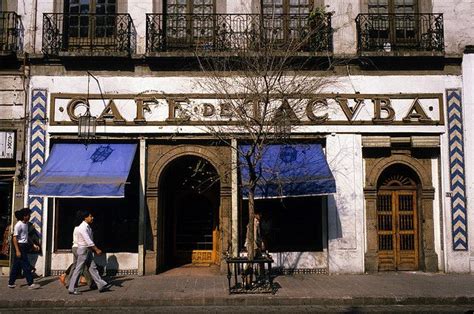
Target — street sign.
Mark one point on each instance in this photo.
(7, 145)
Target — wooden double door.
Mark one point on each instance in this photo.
(397, 229)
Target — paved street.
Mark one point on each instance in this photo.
(204, 289)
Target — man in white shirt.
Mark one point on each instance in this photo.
(83, 238)
(22, 247)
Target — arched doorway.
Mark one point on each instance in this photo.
(189, 194)
(397, 219)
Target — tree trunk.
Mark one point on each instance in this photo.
(250, 226)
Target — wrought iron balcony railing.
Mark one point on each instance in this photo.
(11, 33)
(88, 34)
(400, 32)
(238, 32)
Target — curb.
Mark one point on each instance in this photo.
(239, 301)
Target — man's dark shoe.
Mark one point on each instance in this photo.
(105, 287)
(75, 292)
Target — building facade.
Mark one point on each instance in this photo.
(13, 95)
(389, 123)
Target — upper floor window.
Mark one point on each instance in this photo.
(393, 6)
(190, 6)
(287, 6)
(81, 24)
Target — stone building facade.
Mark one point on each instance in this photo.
(393, 133)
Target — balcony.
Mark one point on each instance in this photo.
(221, 34)
(11, 33)
(111, 35)
(400, 35)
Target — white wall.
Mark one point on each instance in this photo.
(346, 235)
(458, 30)
(468, 106)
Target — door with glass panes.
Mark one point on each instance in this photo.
(397, 229)
(190, 23)
(285, 20)
(90, 24)
(394, 23)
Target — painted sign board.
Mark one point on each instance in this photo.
(7, 145)
(198, 109)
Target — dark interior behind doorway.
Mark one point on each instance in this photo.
(289, 224)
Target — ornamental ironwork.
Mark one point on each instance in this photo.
(11, 33)
(400, 32)
(88, 34)
(238, 32)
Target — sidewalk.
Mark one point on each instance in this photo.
(205, 286)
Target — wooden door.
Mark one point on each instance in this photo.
(397, 230)
(90, 23)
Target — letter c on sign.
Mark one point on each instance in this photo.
(71, 108)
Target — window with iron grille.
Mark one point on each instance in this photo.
(190, 6)
(190, 22)
(393, 6)
(90, 18)
(303, 25)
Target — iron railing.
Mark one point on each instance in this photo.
(400, 32)
(238, 32)
(88, 34)
(250, 276)
(11, 33)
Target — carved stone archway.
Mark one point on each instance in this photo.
(158, 157)
(422, 168)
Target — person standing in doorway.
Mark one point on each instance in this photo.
(22, 247)
(85, 246)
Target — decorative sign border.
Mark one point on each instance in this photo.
(37, 152)
(457, 170)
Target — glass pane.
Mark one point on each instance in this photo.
(176, 6)
(378, 6)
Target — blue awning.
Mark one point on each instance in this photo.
(77, 170)
(289, 170)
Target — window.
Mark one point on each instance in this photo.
(399, 28)
(287, 6)
(393, 6)
(190, 22)
(295, 224)
(286, 20)
(115, 219)
(190, 6)
(80, 23)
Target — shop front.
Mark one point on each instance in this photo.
(368, 199)
(11, 189)
(101, 177)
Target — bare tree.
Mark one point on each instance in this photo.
(266, 78)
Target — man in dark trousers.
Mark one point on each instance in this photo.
(85, 246)
(22, 247)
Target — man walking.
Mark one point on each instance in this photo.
(85, 246)
(22, 247)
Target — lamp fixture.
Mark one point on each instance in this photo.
(86, 125)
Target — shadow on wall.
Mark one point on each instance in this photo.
(109, 264)
(334, 220)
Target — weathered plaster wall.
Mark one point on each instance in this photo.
(346, 208)
(138, 10)
(468, 106)
(343, 23)
(458, 30)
